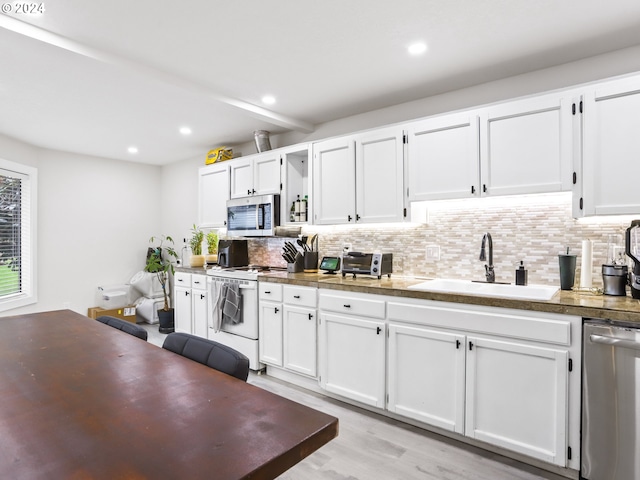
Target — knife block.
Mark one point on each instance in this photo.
(297, 266)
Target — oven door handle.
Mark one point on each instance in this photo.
(614, 342)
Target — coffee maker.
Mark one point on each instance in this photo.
(632, 249)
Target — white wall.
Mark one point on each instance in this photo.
(95, 217)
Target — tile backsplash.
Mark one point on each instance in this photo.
(532, 229)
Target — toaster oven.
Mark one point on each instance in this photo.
(376, 264)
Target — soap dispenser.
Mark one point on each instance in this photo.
(521, 274)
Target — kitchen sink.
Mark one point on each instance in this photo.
(467, 287)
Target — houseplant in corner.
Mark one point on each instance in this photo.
(159, 261)
(212, 248)
(197, 258)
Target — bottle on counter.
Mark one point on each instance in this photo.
(521, 274)
(292, 212)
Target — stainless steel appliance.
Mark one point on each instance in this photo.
(256, 216)
(610, 401)
(233, 253)
(614, 279)
(376, 264)
(632, 249)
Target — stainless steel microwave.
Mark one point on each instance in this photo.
(256, 216)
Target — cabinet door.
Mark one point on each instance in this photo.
(266, 174)
(241, 177)
(213, 195)
(516, 397)
(199, 312)
(443, 158)
(426, 376)
(270, 333)
(526, 146)
(334, 180)
(352, 358)
(300, 340)
(182, 310)
(379, 176)
(611, 165)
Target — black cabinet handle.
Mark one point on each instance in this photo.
(186, 294)
(347, 306)
(201, 296)
(457, 343)
(296, 296)
(268, 292)
(349, 217)
(310, 316)
(276, 310)
(473, 189)
(484, 188)
(470, 345)
(357, 217)
(248, 192)
(378, 330)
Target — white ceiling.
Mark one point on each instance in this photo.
(96, 77)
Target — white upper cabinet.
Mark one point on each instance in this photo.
(213, 195)
(443, 158)
(334, 180)
(611, 155)
(526, 146)
(255, 175)
(379, 176)
(359, 179)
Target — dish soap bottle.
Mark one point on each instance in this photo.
(521, 274)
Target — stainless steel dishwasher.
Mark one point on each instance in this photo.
(611, 401)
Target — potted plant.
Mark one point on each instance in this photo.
(159, 261)
(212, 247)
(197, 258)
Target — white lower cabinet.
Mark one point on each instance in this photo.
(190, 303)
(353, 358)
(426, 375)
(270, 333)
(288, 327)
(516, 397)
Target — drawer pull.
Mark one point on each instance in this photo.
(347, 306)
(296, 296)
(268, 292)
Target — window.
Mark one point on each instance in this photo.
(18, 184)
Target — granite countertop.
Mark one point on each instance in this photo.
(583, 304)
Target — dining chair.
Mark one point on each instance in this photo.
(127, 327)
(208, 352)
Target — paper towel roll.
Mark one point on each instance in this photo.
(587, 264)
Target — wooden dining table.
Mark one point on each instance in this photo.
(82, 400)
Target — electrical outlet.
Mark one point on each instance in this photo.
(433, 253)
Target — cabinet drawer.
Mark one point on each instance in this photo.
(199, 281)
(302, 296)
(182, 279)
(270, 291)
(352, 305)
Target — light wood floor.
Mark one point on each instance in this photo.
(374, 447)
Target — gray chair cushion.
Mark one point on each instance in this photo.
(210, 353)
(127, 327)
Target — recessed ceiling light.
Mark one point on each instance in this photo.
(185, 130)
(417, 48)
(268, 100)
(132, 149)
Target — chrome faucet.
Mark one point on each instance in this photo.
(490, 274)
